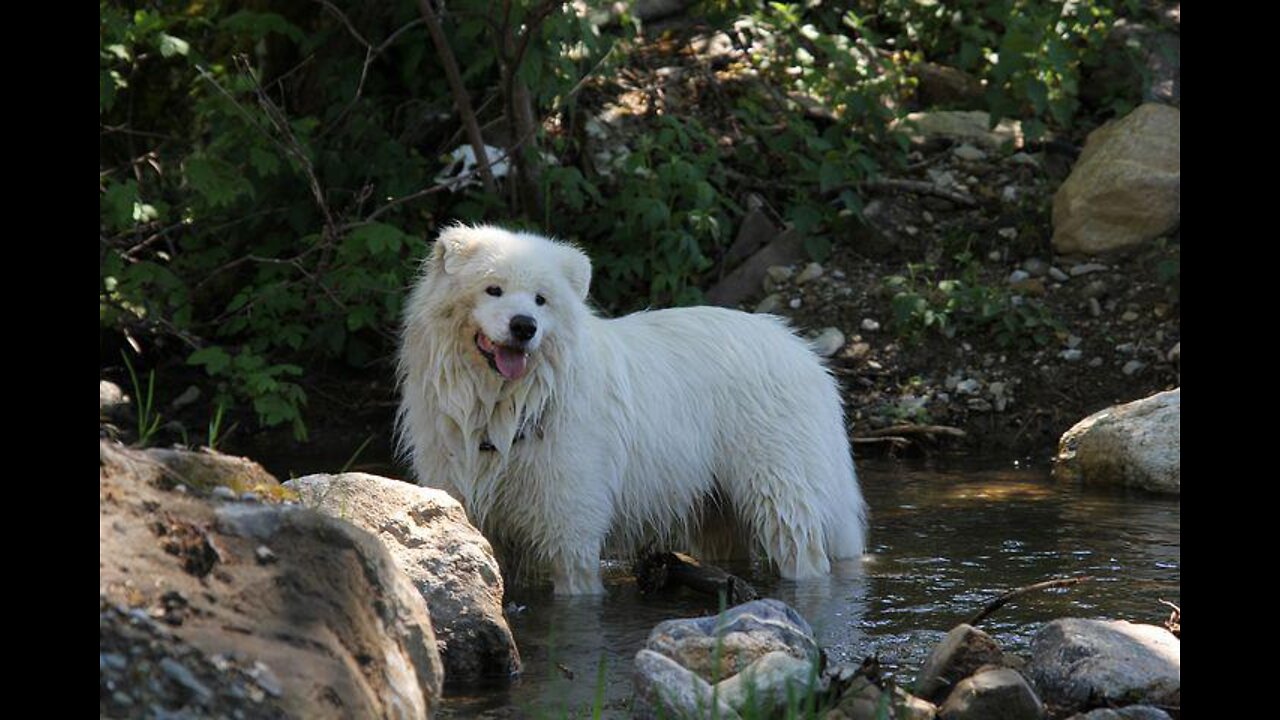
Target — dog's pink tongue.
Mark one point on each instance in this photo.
(511, 363)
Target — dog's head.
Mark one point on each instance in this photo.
(517, 291)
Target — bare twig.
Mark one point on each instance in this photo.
(918, 187)
(902, 430)
(1046, 585)
(459, 90)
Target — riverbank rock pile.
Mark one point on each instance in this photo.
(222, 595)
(759, 659)
(449, 561)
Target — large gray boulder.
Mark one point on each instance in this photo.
(448, 560)
(1137, 444)
(206, 602)
(1125, 188)
(1077, 665)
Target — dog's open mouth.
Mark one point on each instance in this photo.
(511, 363)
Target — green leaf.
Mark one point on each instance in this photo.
(170, 45)
(214, 358)
(266, 163)
(117, 204)
(256, 25)
(379, 237)
(217, 180)
(830, 176)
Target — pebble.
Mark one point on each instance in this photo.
(837, 274)
(249, 496)
(996, 389)
(111, 660)
(952, 381)
(1035, 266)
(812, 271)
(911, 230)
(1008, 233)
(795, 303)
(1071, 355)
(120, 698)
(769, 304)
(1057, 274)
(188, 396)
(1095, 362)
(1132, 367)
(266, 679)
(969, 153)
(1086, 268)
(1095, 309)
(870, 325)
(222, 492)
(1175, 353)
(1009, 194)
(1126, 348)
(858, 350)
(927, 217)
(1094, 289)
(1021, 158)
(968, 386)
(828, 342)
(1018, 276)
(979, 405)
(994, 256)
(180, 489)
(1129, 316)
(1001, 403)
(264, 555)
(1074, 341)
(181, 675)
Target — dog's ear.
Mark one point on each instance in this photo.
(577, 269)
(455, 246)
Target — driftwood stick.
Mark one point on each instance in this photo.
(1000, 601)
(901, 430)
(918, 187)
(661, 570)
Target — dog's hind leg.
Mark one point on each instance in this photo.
(787, 525)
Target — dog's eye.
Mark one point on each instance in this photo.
(539, 299)
(494, 290)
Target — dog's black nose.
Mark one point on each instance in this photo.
(523, 328)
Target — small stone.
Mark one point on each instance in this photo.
(769, 304)
(870, 325)
(1057, 274)
(1095, 289)
(828, 342)
(264, 555)
(927, 216)
(111, 660)
(1175, 353)
(1018, 276)
(1009, 194)
(1126, 348)
(996, 389)
(1001, 403)
(1008, 233)
(1095, 308)
(1086, 268)
(1021, 158)
(249, 496)
(978, 405)
(911, 230)
(266, 679)
(1129, 316)
(812, 271)
(188, 396)
(1071, 355)
(952, 382)
(181, 675)
(858, 350)
(994, 256)
(1095, 362)
(971, 180)
(968, 153)
(795, 303)
(222, 492)
(180, 489)
(968, 386)
(1031, 286)
(1035, 267)
(1132, 367)
(1073, 341)
(120, 698)
(838, 274)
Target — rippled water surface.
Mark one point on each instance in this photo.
(945, 540)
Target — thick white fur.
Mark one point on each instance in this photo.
(620, 428)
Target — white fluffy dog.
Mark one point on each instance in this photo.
(557, 429)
